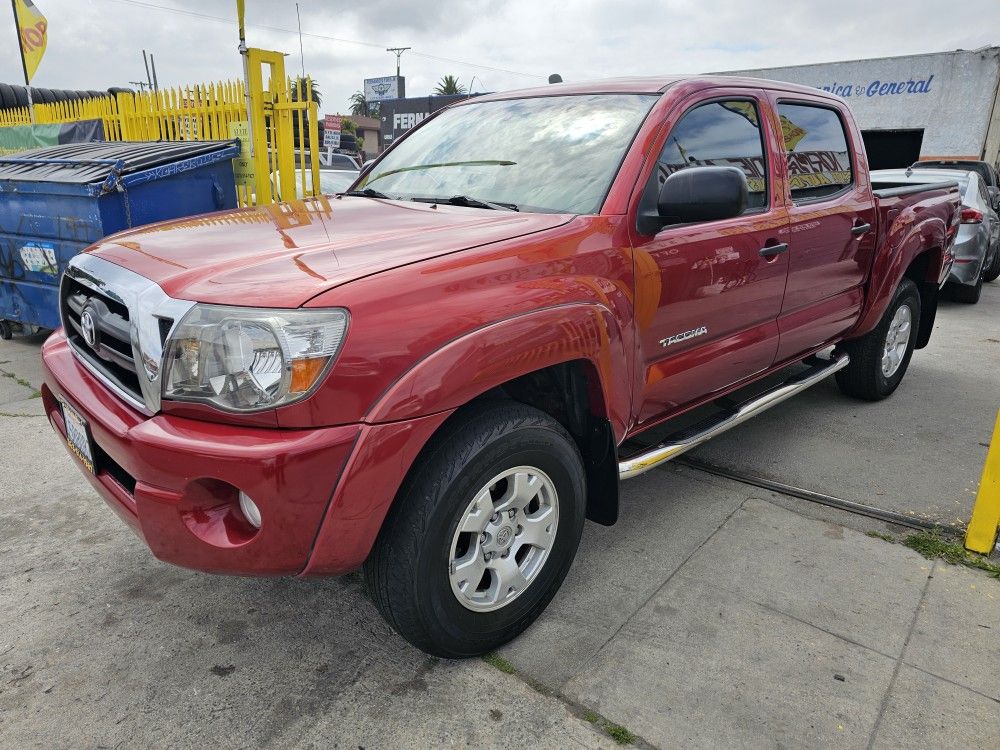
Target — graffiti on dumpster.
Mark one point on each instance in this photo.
(40, 257)
(879, 87)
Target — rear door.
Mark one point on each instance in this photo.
(832, 222)
(708, 294)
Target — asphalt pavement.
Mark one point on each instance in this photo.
(919, 452)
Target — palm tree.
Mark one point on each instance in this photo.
(301, 87)
(357, 103)
(360, 107)
(299, 90)
(449, 85)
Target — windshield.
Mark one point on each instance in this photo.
(554, 154)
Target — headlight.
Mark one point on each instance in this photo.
(250, 359)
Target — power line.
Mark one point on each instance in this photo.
(324, 37)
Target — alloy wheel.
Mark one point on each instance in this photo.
(503, 538)
(897, 339)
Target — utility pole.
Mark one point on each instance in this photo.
(399, 53)
(145, 61)
(152, 64)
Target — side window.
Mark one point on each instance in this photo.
(723, 134)
(819, 161)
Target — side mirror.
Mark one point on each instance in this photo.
(703, 194)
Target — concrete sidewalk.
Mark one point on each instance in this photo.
(713, 614)
(767, 628)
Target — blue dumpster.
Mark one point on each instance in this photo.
(56, 201)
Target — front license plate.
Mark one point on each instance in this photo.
(77, 436)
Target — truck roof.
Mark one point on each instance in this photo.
(653, 85)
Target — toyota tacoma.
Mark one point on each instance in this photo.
(432, 377)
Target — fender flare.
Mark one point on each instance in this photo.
(925, 238)
(482, 359)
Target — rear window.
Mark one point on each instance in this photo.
(339, 161)
(819, 160)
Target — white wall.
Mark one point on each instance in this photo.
(950, 95)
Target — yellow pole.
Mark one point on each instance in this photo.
(982, 532)
(248, 88)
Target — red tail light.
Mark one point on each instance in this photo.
(971, 216)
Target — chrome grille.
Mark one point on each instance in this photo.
(110, 346)
(117, 323)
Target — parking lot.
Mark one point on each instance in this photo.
(714, 613)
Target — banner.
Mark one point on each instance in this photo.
(32, 29)
(20, 138)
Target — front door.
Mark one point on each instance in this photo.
(708, 294)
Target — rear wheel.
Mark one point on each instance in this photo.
(482, 533)
(880, 358)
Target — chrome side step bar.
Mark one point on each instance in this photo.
(707, 429)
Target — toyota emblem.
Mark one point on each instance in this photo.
(89, 328)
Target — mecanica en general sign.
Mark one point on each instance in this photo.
(880, 88)
(942, 104)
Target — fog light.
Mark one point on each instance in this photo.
(250, 510)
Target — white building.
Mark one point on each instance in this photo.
(921, 106)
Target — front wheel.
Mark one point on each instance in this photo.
(879, 359)
(482, 533)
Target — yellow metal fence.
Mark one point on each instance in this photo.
(283, 120)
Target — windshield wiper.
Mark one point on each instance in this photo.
(365, 193)
(466, 200)
(440, 165)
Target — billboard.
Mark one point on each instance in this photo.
(386, 87)
(400, 115)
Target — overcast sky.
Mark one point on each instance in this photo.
(94, 44)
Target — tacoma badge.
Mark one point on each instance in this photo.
(679, 337)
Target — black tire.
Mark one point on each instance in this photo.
(992, 273)
(7, 99)
(20, 95)
(407, 572)
(863, 377)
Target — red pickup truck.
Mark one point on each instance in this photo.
(431, 376)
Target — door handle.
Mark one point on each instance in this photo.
(859, 229)
(769, 251)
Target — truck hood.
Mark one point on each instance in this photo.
(282, 255)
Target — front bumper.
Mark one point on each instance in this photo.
(175, 480)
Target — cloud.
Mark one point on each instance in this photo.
(98, 43)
